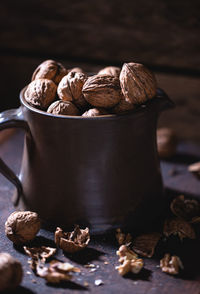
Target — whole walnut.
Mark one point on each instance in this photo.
(138, 83)
(11, 272)
(70, 88)
(51, 70)
(123, 107)
(110, 70)
(63, 108)
(94, 112)
(77, 69)
(102, 91)
(22, 226)
(40, 93)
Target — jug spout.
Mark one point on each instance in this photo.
(163, 101)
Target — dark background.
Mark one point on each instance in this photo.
(163, 35)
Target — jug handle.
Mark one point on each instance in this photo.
(12, 118)
(163, 101)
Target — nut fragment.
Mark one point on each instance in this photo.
(145, 244)
(11, 272)
(122, 238)
(137, 82)
(195, 168)
(40, 93)
(110, 70)
(22, 226)
(51, 70)
(166, 142)
(94, 112)
(39, 254)
(72, 241)
(70, 88)
(185, 207)
(178, 226)
(171, 264)
(63, 108)
(102, 91)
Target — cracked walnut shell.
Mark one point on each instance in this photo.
(171, 264)
(145, 244)
(137, 82)
(70, 88)
(178, 226)
(102, 91)
(11, 272)
(63, 108)
(72, 241)
(22, 226)
(40, 93)
(51, 70)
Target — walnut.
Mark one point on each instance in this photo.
(166, 142)
(11, 272)
(72, 241)
(137, 82)
(129, 261)
(51, 70)
(171, 264)
(145, 244)
(22, 226)
(63, 108)
(40, 93)
(102, 91)
(195, 168)
(77, 69)
(122, 238)
(110, 70)
(94, 112)
(70, 88)
(39, 254)
(178, 226)
(56, 272)
(123, 107)
(184, 207)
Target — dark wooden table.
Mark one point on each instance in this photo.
(102, 248)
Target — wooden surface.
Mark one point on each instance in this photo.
(102, 248)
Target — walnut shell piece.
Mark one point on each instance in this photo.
(11, 272)
(178, 226)
(22, 226)
(145, 244)
(95, 112)
(166, 142)
(185, 208)
(72, 241)
(171, 264)
(63, 108)
(51, 70)
(137, 82)
(70, 88)
(110, 70)
(102, 91)
(40, 93)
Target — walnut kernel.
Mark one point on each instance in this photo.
(171, 264)
(122, 238)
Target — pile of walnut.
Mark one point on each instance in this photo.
(71, 92)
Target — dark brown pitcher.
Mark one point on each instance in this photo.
(102, 172)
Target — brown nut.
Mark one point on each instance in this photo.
(123, 107)
(185, 208)
(22, 226)
(171, 264)
(122, 238)
(72, 241)
(11, 272)
(110, 70)
(137, 82)
(40, 93)
(166, 142)
(63, 108)
(70, 88)
(94, 112)
(51, 70)
(178, 226)
(145, 244)
(102, 91)
(77, 69)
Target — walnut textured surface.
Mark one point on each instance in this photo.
(102, 91)
(40, 93)
(63, 108)
(137, 82)
(72, 241)
(122, 238)
(22, 226)
(110, 70)
(123, 106)
(70, 88)
(171, 264)
(94, 112)
(166, 142)
(77, 69)
(184, 207)
(11, 272)
(178, 226)
(145, 244)
(51, 70)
